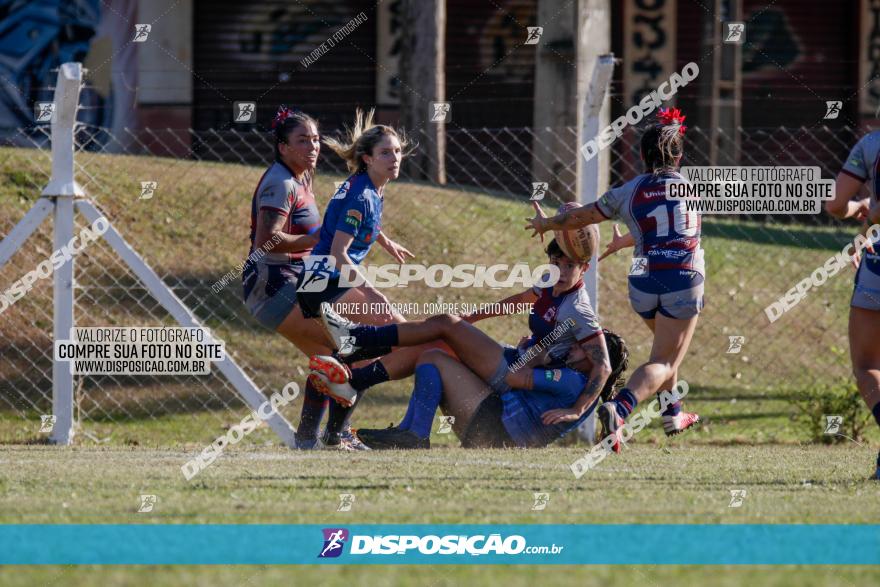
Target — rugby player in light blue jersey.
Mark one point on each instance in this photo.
(500, 396)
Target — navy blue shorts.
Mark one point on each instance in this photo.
(672, 292)
(310, 301)
(866, 292)
(269, 291)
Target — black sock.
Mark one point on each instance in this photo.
(312, 412)
(346, 424)
(363, 354)
(372, 374)
(337, 418)
(368, 336)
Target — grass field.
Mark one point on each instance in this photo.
(746, 395)
(675, 483)
(446, 576)
(135, 434)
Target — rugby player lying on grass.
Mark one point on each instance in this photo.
(498, 395)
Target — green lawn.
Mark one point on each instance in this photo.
(195, 228)
(442, 576)
(675, 483)
(136, 433)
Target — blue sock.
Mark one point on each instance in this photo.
(673, 409)
(371, 336)
(557, 381)
(372, 374)
(313, 407)
(424, 401)
(626, 402)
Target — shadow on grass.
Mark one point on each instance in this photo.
(796, 236)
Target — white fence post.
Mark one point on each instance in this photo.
(63, 188)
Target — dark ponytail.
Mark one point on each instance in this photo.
(662, 143)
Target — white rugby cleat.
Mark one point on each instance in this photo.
(339, 330)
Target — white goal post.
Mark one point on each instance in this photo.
(588, 184)
(62, 197)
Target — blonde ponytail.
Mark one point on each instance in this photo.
(361, 138)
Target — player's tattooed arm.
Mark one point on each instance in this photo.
(579, 217)
(572, 219)
(591, 358)
(595, 363)
(271, 236)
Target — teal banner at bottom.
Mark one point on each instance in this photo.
(552, 544)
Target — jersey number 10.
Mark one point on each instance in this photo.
(684, 222)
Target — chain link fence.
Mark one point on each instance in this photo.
(194, 230)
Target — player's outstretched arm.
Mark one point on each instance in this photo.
(399, 252)
(570, 220)
(618, 242)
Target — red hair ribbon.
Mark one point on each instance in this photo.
(283, 114)
(668, 116)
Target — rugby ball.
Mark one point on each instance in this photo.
(578, 244)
